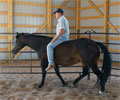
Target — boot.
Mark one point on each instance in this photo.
(50, 67)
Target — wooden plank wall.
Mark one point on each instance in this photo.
(97, 11)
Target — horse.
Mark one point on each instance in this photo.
(68, 53)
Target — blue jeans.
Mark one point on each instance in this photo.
(51, 46)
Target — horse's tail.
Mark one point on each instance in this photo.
(107, 62)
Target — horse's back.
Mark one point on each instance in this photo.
(70, 52)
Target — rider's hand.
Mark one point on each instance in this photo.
(53, 40)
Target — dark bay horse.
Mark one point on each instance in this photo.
(68, 53)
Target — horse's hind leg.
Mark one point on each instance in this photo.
(85, 72)
(58, 74)
(99, 75)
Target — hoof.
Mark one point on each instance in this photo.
(64, 85)
(72, 85)
(100, 92)
(39, 86)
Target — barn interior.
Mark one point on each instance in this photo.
(98, 20)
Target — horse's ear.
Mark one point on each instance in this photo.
(17, 36)
(22, 33)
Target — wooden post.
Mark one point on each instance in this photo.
(106, 15)
(49, 16)
(77, 16)
(106, 11)
(10, 26)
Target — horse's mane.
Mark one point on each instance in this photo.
(39, 36)
(32, 35)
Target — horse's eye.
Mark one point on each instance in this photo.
(16, 41)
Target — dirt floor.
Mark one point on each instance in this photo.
(23, 87)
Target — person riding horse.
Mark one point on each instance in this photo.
(62, 34)
(86, 51)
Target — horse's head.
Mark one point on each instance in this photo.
(19, 44)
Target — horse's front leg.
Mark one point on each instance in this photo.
(44, 64)
(43, 79)
(58, 74)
